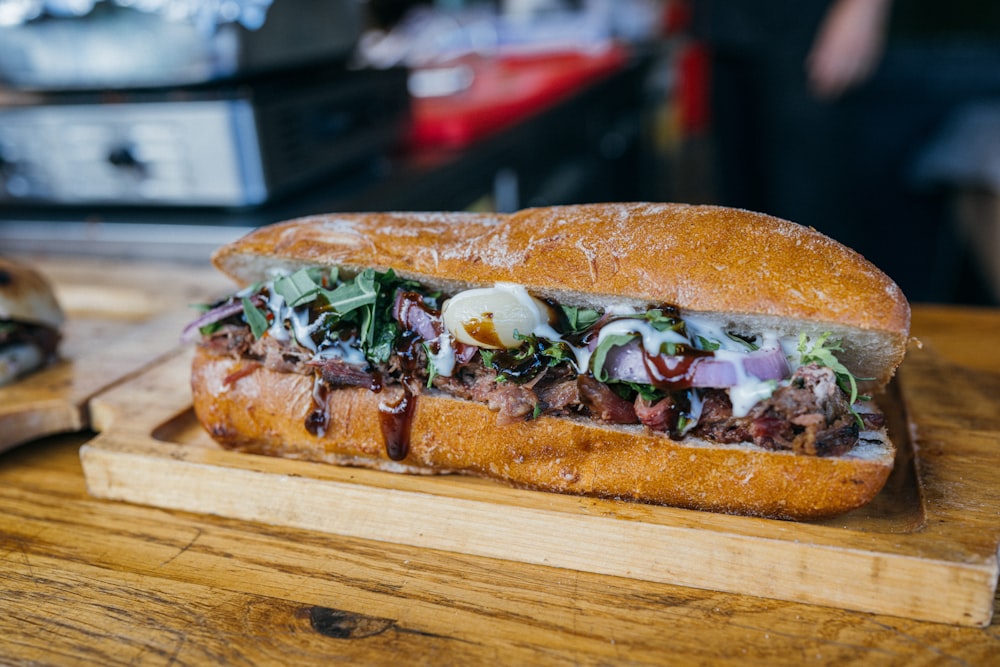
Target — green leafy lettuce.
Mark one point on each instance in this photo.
(822, 352)
(363, 302)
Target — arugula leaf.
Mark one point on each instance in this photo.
(255, 317)
(647, 391)
(601, 353)
(580, 319)
(381, 341)
(556, 353)
(362, 291)
(297, 289)
(682, 422)
(743, 341)
(822, 353)
(661, 321)
(432, 371)
(526, 361)
(706, 344)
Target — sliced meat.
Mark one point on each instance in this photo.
(661, 415)
(280, 357)
(411, 312)
(511, 402)
(232, 340)
(810, 415)
(336, 372)
(604, 403)
(559, 397)
(717, 422)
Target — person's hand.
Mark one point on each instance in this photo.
(848, 46)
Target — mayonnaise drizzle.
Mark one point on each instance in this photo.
(444, 359)
(746, 393)
(748, 390)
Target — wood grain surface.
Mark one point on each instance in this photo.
(94, 582)
(91, 582)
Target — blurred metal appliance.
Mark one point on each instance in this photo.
(232, 145)
(128, 107)
(117, 47)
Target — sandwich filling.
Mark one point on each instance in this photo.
(24, 347)
(681, 375)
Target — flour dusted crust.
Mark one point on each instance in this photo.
(753, 271)
(26, 296)
(748, 271)
(264, 412)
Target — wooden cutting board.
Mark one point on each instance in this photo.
(119, 320)
(926, 548)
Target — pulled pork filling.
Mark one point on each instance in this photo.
(524, 357)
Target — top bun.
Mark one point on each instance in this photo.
(26, 296)
(749, 271)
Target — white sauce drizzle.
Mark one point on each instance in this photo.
(535, 316)
(694, 414)
(652, 338)
(348, 351)
(748, 390)
(444, 359)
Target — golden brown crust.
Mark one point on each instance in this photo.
(253, 409)
(26, 296)
(753, 270)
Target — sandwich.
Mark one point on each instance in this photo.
(693, 356)
(30, 320)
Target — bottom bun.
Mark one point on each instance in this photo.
(249, 408)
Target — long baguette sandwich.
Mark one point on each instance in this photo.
(692, 356)
(30, 320)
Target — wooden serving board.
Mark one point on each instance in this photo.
(119, 320)
(926, 548)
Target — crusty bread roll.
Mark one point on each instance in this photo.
(26, 296)
(748, 272)
(30, 318)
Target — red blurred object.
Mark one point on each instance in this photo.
(676, 17)
(505, 90)
(693, 89)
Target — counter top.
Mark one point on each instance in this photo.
(88, 581)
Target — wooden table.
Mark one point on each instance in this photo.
(86, 581)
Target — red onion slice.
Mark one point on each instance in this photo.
(409, 311)
(217, 314)
(709, 372)
(626, 363)
(767, 364)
